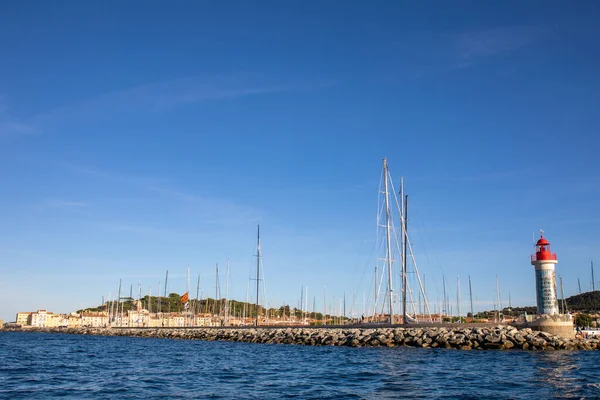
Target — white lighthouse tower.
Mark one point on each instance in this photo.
(544, 262)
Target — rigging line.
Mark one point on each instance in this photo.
(379, 216)
(414, 262)
(376, 283)
(413, 258)
(364, 273)
(425, 248)
(262, 268)
(437, 259)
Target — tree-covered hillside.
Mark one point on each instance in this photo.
(173, 303)
(588, 302)
(584, 302)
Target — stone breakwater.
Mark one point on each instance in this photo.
(464, 338)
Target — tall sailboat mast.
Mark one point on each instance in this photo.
(257, 271)
(405, 252)
(388, 239)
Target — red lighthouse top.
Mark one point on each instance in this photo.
(542, 250)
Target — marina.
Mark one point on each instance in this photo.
(183, 311)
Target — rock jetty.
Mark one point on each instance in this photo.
(500, 337)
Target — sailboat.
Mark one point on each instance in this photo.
(397, 243)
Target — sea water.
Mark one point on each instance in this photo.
(41, 366)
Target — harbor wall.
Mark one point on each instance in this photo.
(465, 338)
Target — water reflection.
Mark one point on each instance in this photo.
(557, 371)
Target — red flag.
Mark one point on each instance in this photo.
(184, 298)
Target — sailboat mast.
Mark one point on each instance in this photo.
(216, 289)
(187, 290)
(388, 239)
(471, 297)
(227, 294)
(166, 280)
(444, 302)
(458, 297)
(302, 302)
(197, 293)
(402, 238)
(324, 303)
(562, 296)
(498, 297)
(344, 316)
(306, 302)
(257, 271)
(119, 302)
(404, 259)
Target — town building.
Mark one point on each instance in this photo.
(24, 318)
(94, 319)
(42, 319)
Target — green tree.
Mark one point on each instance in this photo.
(583, 320)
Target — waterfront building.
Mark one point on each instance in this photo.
(154, 320)
(94, 319)
(61, 320)
(74, 320)
(138, 318)
(24, 318)
(42, 319)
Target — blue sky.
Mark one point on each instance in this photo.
(146, 136)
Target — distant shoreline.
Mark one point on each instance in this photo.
(484, 337)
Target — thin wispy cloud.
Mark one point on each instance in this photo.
(113, 176)
(171, 93)
(471, 46)
(578, 221)
(420, 56)
(58, 203)
(144, 230)
(488, 176)
(206, 209)
(164, 95)
(494, 175)
(8, 124)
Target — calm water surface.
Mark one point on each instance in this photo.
(40, 366)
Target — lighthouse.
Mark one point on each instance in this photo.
(544, 262)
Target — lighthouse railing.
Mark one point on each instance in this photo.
(543, 256)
